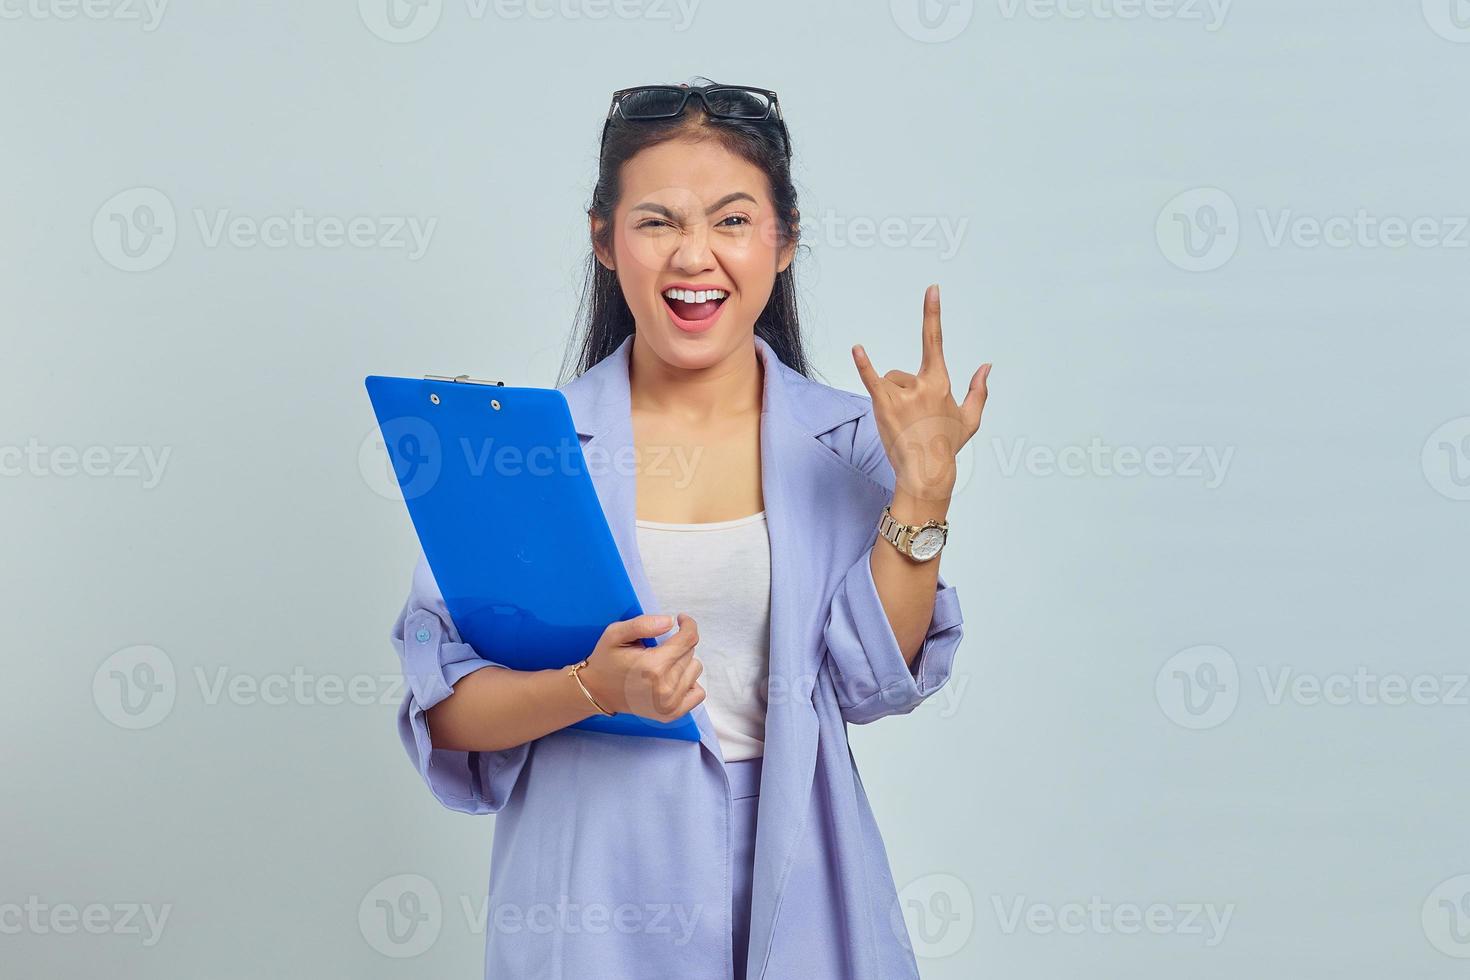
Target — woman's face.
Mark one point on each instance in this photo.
(693, 218)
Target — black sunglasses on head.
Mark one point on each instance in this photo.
(643, 102)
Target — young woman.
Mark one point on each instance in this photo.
(794, 531)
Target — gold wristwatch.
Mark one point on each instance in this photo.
(918, 542)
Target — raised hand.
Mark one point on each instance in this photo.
(922, 427)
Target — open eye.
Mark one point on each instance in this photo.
(742, 219)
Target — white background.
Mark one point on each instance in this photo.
(1073, 759)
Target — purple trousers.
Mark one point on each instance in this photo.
(745, 788)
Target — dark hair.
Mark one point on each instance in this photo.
(603, 316)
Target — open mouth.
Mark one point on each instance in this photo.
(692, 306)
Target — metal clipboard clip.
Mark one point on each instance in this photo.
(463, 379)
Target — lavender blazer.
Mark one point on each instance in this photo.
(611, 853)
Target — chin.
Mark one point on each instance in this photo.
(689, 351)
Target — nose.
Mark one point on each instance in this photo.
(693, 254)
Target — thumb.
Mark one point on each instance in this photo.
(639, 627)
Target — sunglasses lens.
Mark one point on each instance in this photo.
(738, 103)
(657, 103)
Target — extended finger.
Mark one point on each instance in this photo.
(974, 403)
(866, 371)
(933, 356)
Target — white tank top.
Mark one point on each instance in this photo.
(720, 574)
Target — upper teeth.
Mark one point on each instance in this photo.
(695, 296)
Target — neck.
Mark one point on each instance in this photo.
(732, 386)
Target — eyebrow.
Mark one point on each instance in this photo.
(660, 209)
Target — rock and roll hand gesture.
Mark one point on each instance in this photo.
(922, 427)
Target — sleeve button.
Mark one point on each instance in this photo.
(423, 634)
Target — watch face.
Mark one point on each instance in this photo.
(927, 542)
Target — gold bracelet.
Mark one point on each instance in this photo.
(573, 671)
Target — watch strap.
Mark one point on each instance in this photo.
(901, 535)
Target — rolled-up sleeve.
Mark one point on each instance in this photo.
(872, 678)
(868, 669)
(434, 659)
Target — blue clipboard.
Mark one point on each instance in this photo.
(510, 522)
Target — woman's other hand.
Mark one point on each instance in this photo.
(660, 683)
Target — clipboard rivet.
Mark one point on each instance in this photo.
(495, 404)
(433, 398)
